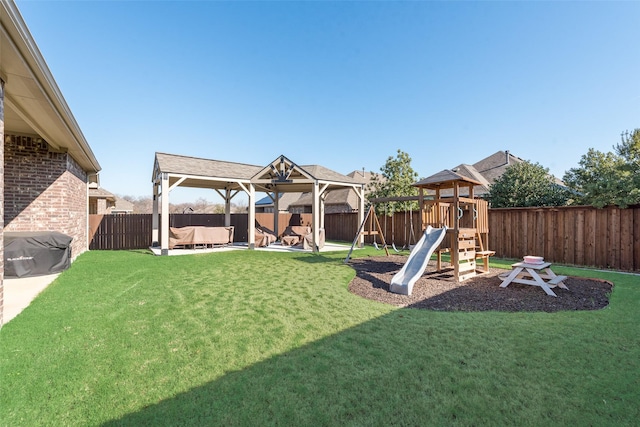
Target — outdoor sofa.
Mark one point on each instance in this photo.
(200, 236)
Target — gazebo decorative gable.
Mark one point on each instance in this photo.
(282, 172)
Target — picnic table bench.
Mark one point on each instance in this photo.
(535, 275)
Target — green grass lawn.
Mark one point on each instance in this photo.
(260, 338)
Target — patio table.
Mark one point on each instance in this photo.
(535, 275)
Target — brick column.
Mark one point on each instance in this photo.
(1, 202)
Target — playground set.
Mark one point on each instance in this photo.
(466, 218)
(452, 220)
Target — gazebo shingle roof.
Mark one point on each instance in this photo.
(322, 173)
(173, 163)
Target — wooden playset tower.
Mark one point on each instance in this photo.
(447, 199)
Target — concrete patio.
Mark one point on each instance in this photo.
(19, 292)
(274, 247)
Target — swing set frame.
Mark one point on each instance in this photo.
(370, 226)
(370, 221)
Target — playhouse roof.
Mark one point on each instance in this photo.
(445, 179)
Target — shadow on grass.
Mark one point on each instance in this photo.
(402, 368)
(141, 252)
(341, 379)
(313, 258)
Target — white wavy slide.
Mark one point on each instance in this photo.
(403, 281)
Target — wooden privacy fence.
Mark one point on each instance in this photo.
(134, 231)
(401, 229)
(576, 235)
(284, 220)
(120, 232)
(580, 235)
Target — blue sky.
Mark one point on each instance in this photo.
(341, 84)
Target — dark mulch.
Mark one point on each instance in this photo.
(438, 291)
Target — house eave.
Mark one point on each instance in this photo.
(34, 102)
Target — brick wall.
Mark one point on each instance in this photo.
(45, 190)
(101, 206)
(98, 206)
(93, 206)
(1, 202)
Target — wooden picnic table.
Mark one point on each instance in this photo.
(535, 275)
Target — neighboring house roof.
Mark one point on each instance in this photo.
(495, 165)
(33, 103)
(487, 170)
(122, 205)
(119, 204)
(283, 203)
(343, 196)
(305, 200)
(101, 193)
(265, 201)
(363, 177)
(320, 172)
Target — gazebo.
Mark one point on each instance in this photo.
(228, 179)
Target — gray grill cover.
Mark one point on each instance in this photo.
(36, 253)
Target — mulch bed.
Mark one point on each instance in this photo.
(439, 291)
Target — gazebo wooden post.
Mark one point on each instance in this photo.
(227, 207)
(251, 238)
(361, 213)
(439, 220)
(315, 216)
(420, 209)
(455, 242)
(323, 196)
(164, 194)
(276, 213)
(155, 217)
